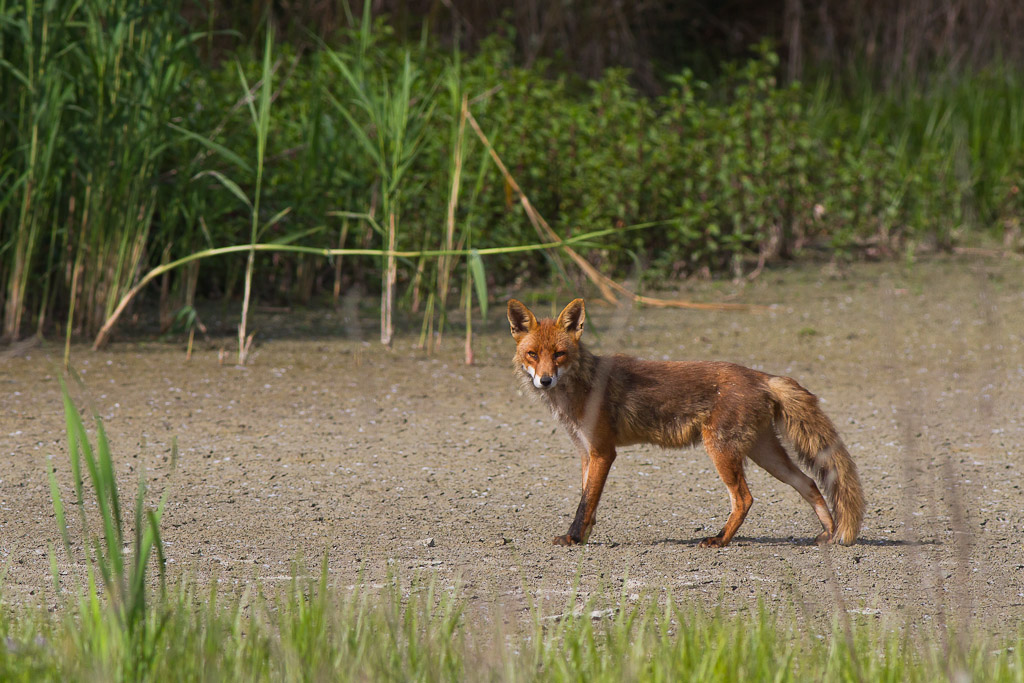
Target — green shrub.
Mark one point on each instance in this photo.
(110, 128)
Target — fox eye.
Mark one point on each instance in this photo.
(532, 354)
(559, 354)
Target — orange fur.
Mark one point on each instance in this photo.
(606, 402)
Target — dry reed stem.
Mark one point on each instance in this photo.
(445, 263)
(539, 224)
(243, 348)
(337, 262)
(989, 253)
(605, 284)
(104, 333)
(469, 357)
(387, 329)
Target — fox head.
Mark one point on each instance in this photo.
(546, 349)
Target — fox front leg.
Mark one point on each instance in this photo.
(595, 473)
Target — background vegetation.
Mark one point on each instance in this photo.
(135, 134)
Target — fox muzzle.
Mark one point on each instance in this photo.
(542, 381)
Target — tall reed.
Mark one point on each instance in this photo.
(956, 141)
(90, 83)
(389, 123)
(35, 89)
(261, 125)
(108, 117)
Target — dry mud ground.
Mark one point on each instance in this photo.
(327, 442)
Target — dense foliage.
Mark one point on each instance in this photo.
(120, 150)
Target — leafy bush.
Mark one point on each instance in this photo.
(739, 170)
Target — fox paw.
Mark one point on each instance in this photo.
(823, 538)
(565, 540)
(713, 542)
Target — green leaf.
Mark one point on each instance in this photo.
(228, 183)
(298, 235)
(72, 426)
(276, 218)
(214, 147)
(58, 510)
(476, 267)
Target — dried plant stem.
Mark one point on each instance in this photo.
(538, 222)
(427, 327)
(387, 330)
(243, 347)
(469, 316)
(605, 284)
(103, 335)
(445, 263)
(76, 271)
(337, 261)
(417, 282)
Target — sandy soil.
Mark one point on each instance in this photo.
(396, 463)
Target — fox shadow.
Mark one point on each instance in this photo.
(792, 540)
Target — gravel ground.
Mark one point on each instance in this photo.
(400, 464)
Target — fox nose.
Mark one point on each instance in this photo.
(546, 380)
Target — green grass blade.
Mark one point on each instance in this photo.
(213, 146)
(276, 218)
(263, 123)
(138, 560)
(357, 128)
(370, 220)
(299, 235)
(157, 542)
(73, 427)
(58, 510)
(143, 546)
(106, 493)
(248, 100)
(229, 184)
(476, 265)
(106, 470)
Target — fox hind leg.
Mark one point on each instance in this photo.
(770, 454)
(729, 464)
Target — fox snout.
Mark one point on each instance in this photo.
(542, 380)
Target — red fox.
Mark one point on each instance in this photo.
(609, 401)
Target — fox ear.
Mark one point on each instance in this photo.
(571, 318)
(520, 319)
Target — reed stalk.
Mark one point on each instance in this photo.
(388, 116)
(387, 329)
(583, 238)
(261, 124)
(445, 264)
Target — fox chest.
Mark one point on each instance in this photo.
(563, 409)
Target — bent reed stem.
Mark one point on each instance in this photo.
(104, 333)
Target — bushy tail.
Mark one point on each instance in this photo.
(822, 452)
